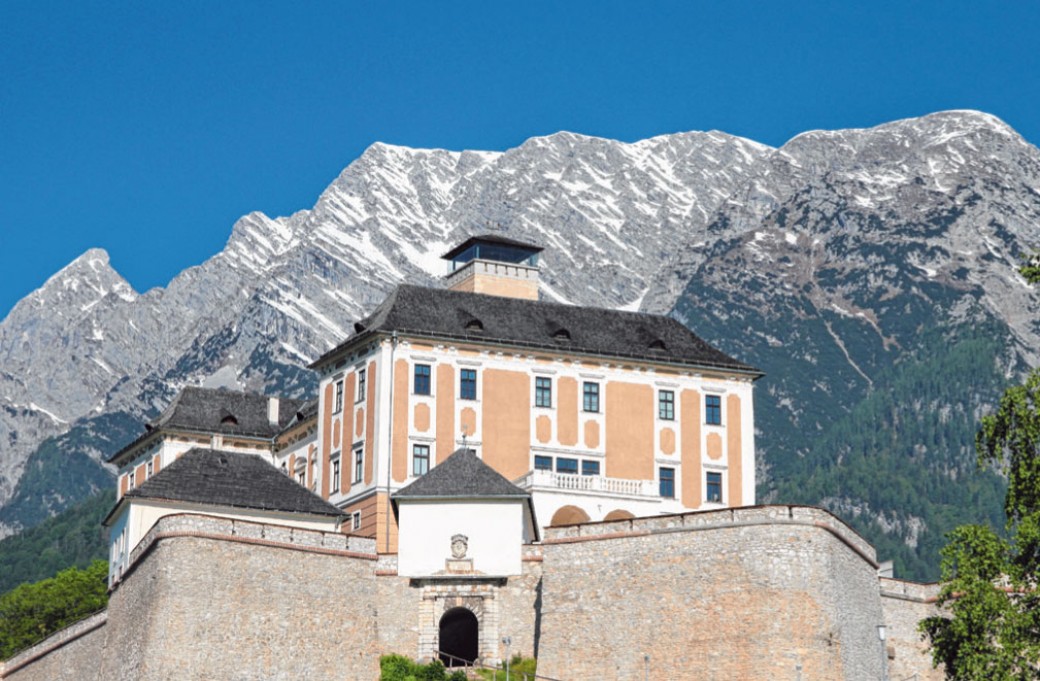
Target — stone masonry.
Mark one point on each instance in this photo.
(771, 592)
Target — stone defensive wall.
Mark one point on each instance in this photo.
(764, 592)
(213, 598)
(905, 604)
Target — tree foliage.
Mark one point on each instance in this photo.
(32, 612)
(991, 628)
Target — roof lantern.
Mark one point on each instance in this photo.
(494, 265)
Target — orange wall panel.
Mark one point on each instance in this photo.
(714, 444)
(399, 464)
(370, 422)
(506, 432)
(156, 464)
(630, 431)
(690, 422)
(591, 434)
(445, 411)
(733, 442)
(668, 441)
(567, 412)
(421, 419)
(543, 429)
(468, 417)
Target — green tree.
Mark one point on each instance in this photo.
(32, 612)
(991, 629)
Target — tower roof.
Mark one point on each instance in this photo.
(492, 239)
(461, 476)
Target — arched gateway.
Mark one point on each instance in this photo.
(459, 636)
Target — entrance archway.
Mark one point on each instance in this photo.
(459, 636)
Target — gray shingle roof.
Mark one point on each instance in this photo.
(454, 315)
(461, 475)
(206, 476)
(221, 411)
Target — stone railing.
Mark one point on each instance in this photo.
(498, 269)
(592, 484)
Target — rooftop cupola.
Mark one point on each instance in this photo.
(494, 265)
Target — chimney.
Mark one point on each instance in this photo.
(494, 265)
(272, 411)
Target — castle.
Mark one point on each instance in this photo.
(481, 474)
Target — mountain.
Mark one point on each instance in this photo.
(870, 272)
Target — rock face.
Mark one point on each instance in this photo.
(837, 262)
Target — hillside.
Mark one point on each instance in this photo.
(870, 273)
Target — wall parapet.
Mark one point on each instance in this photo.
(53, 642)
(918, 592)
(249, 532)
(693, 521)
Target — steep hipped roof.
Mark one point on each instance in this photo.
(492, 239)
(221, 411)
(461, 316)
(461, 475)
(219, 478)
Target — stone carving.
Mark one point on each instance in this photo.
(459, 544)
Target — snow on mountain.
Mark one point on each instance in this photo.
(625, 225)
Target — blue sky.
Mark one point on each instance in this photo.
(148, 128)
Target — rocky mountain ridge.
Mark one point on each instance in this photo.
(812, 257)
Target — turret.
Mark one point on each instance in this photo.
(494, 265)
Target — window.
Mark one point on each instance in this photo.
(666, 477)
(590, 467)
(131, 480)
(543, 463)
(337, 404)
(590, 397)
(360, 385)
(666, 405)
(359, 463)
(542, 392)
(713, 410)
(301, 477)
(355, 520)
(285, 468)
(468, 384)
(564, 465)
(148, 472)
(421, 385)
(715, 487)
(420, 459)
(335, 477)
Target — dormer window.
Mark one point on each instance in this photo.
(657, 344)
(227, 418)
(474, 326)
(562, 336)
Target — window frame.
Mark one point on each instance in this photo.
(709, 483)
(543, 392)
(424, 457)
(713, 410)
(663, 481)
(590, 397)
(362, 380)
(355, 521)
(337, 397)
(337, 475)
(359, 465)
(542, 459)
(467, 384)
(427, 378)
(666, 405)
(568, 459)
(588, 464)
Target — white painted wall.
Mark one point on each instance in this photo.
(495, 530)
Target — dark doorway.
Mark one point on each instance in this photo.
(458, 636)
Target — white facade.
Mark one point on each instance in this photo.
(495, 531)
